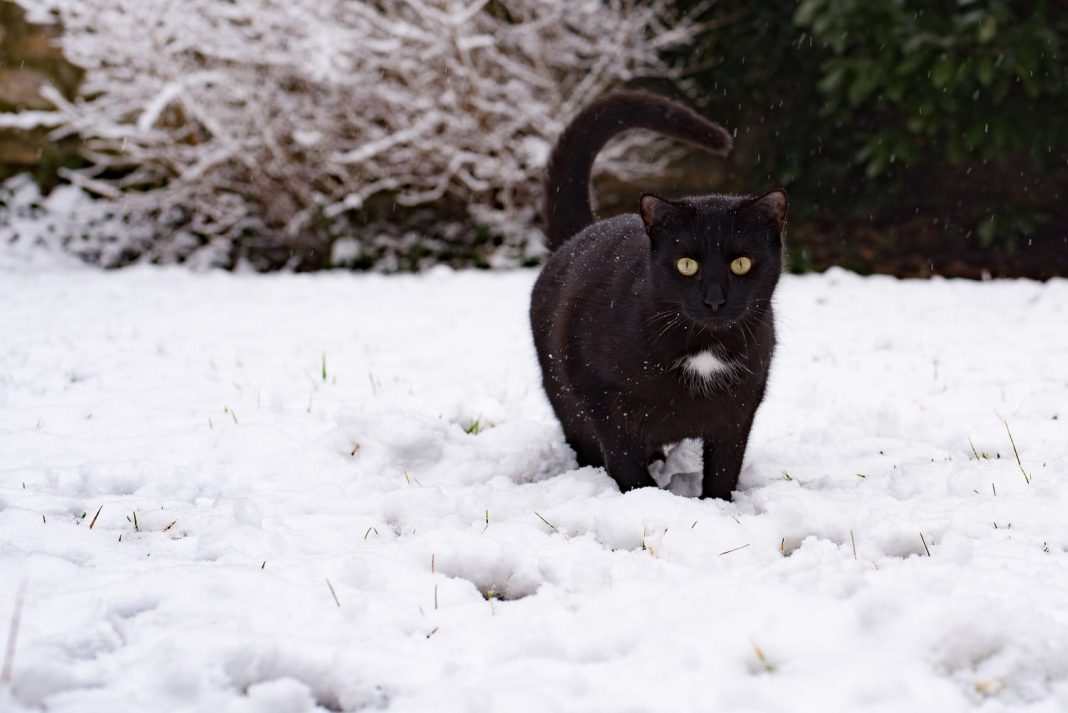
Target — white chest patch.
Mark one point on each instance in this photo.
(704, 371)
(706, 365)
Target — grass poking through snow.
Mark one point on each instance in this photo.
(1027, 478)
(91, 524)
(333, 593)
(12, 636)
(763, 660)
(546, 521)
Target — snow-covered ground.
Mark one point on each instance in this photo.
(270, 493)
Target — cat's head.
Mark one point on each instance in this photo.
(718, 258)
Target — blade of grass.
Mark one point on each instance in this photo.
(545, 521)
(1027, 478)
(333, 593)
(13, 636)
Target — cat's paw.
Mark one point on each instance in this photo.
(685, 484)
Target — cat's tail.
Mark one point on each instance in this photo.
(567, 185)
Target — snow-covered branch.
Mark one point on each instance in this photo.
(270, 117)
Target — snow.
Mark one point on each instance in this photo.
(30, 120)
(409, 532)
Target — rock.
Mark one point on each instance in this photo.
(20, 89)
(30, 58)
(22, 149)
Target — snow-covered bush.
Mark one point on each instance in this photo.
(266, 130)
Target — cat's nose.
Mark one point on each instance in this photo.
(714, 297)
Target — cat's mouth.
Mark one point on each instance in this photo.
(716, 321)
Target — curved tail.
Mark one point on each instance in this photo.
(567, 185)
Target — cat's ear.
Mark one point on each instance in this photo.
(655, 212)
(771, 208)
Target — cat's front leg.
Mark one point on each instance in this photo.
(722, 464)
(626, 461)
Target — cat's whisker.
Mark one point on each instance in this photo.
(650, 322)
(664, 331)
(745, 336)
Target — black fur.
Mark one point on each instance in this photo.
(614, 321)
(567, 185)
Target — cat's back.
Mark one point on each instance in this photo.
(605, 253)
(584, 290)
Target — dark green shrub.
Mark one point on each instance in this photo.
(962, 81)
(891, 109)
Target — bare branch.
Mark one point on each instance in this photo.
(274, 113)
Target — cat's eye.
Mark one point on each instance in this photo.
(741, 265)
(687, 266)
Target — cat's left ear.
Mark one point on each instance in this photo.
(655, 212)
(771, 207)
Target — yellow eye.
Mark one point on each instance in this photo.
(741, 265)
(687, 266)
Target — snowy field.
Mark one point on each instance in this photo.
(347, 492)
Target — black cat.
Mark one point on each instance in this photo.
(655, 327)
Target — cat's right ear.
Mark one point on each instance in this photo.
(655, 212)
(771, 207)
